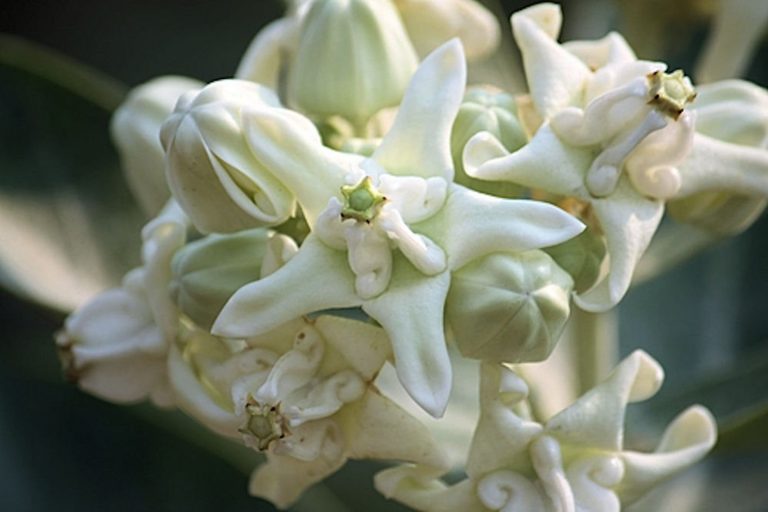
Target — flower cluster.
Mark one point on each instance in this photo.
(341, 204)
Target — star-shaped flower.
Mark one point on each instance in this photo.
(387, 230)
(616, 134)
(303, 394)
(574, 461)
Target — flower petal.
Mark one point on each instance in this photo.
(686, 440)
(628, 221)
(476, 224)
(596, 420)
(262, 60)
(418, 144)
(545, 163)
(610, 50)
(419, 487)
(556, 78)
(289, 145)
(411, 311)
(316, 278)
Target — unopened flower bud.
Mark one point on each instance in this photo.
(213, 175)
(495, 112)
(208, 271)
(353, 59)
(582, 257)
(509, 308)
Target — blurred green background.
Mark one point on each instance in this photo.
(704, 320)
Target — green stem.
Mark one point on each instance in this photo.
(597, 346)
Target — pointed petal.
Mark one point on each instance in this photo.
(628, 221)
(610, 50)
(289, 145)
(418, 144)
(316, 278)
(556, 78)
(282, 479)
(714, 165)
(476, 224)
(686, 440)
(363, 346)
(411, 311)
(545, 163)
(596, 420)
(378, 428)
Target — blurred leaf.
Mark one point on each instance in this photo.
(747, 432)
(68, 227)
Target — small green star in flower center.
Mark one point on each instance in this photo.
(670, 92)
(265, 423)
(362, 202)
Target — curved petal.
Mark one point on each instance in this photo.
(476, 224)
(714, 165)
(289, 145)
(418, 144)
(556, 78)
(363, 346)
(378, 428)
(610, 50)
(316, 278)
(628, 222)
(135, 128)
(545, 163)
(596, 420)
(419, 487)
(411, 311)
(263, 59)
(686, 440)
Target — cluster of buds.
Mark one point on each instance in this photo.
(345, 203)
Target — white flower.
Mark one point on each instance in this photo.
(303, 394)
(115, 346)
(576, 461)
(362, 209)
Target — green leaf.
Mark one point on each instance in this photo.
(68, 226)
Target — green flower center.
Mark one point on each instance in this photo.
(362, 202)
(265, 423)
(670, 92)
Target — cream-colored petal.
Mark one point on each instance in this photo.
(418, 487)
(316, 278)
(686, 440)
(556, 78)
(378, 428)
(610, 50)
(411, 311)
(289, 146)
(418, 143)
(364, 347)
(545, 162)
(596, 420)
(714, 165)
(135, 128)
(474, 225)
(628, 221)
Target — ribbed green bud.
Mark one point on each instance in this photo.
(353, 59)
(582, 257)
(491, 111)
(509, 308)
(208, 271)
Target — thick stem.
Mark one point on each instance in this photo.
(596, 337)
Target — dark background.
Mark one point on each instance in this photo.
(63, 450)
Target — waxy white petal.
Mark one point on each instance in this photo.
(418, 143)
(628, 221)
(610, 50)
(411, 311)
(316, 278)
(263, 59)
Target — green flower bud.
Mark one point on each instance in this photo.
(208, 271)
(582, 257)
(509, 308)
(353, 59)
(486, 110)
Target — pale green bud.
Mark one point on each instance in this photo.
(207, 272)
(509, 308)
(495, 112)
(353, 59)
(582, 257)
